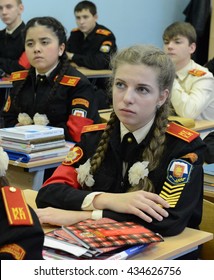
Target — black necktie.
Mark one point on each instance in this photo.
(127, 147)
(40, 80)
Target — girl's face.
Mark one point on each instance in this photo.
(136, 95)
(42, 48)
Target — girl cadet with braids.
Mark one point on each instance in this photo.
(52, 92)
(138, 166)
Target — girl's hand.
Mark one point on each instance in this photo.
(143, 204)
(61, 217)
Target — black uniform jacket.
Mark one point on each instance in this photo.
(209, 154)
(177, 180)
(95, 50)
(11, 48)
(72, 106)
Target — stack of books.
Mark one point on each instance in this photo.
(209, 177)
(33, 142)
(102, 239)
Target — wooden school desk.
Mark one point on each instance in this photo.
(203, 127)
(172, 247)
(94, 74)
(30, 175)
(5, 84)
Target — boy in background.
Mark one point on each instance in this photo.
(12, 55)
(193, 89)
(91, 45)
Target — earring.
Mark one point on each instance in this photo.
(158, 107)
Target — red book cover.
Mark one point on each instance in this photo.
(105, 234)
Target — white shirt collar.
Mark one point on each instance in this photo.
(12, 30)
(47, 73)
(139, 134)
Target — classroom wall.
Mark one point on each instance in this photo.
(132, 21)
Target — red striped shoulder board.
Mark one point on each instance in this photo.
(19, 75)
(182, 132)
(104, 32)
(94, 127)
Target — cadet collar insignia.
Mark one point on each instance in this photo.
(74, 155)
(197, 72)
(7, 104)
(182, 132)
(16, 207)
(19, 75)
(94, 127)
(15, 250)
(69, 81)
(179, 171)
(103, 32)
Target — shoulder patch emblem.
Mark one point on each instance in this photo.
(70, 81)
(192, 157)
(80, 101)
(104, 32)
(15, 250)
(179, 171)
(94, 127)
(182, 132)
(105, 48)
(16, 207)
(197, 72)
(74, 155)
(79, 112)
(109, 43)
(19, 75)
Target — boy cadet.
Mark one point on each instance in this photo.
(91, 44)
(12, 55)
(193, 89)
(12, 45)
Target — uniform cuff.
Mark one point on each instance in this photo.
(97, 214)
(88, 201)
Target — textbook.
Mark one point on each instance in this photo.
(124, 253)
(209, 176)
(114, 234)
(24, 157)
(55, 242)
(30, 148)
(30, 131)
(33, 141)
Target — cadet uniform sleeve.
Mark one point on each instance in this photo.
(82, 107)
(192, 96)
(185, 198)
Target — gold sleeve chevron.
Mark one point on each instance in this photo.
(178, 176)
(171, 193)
